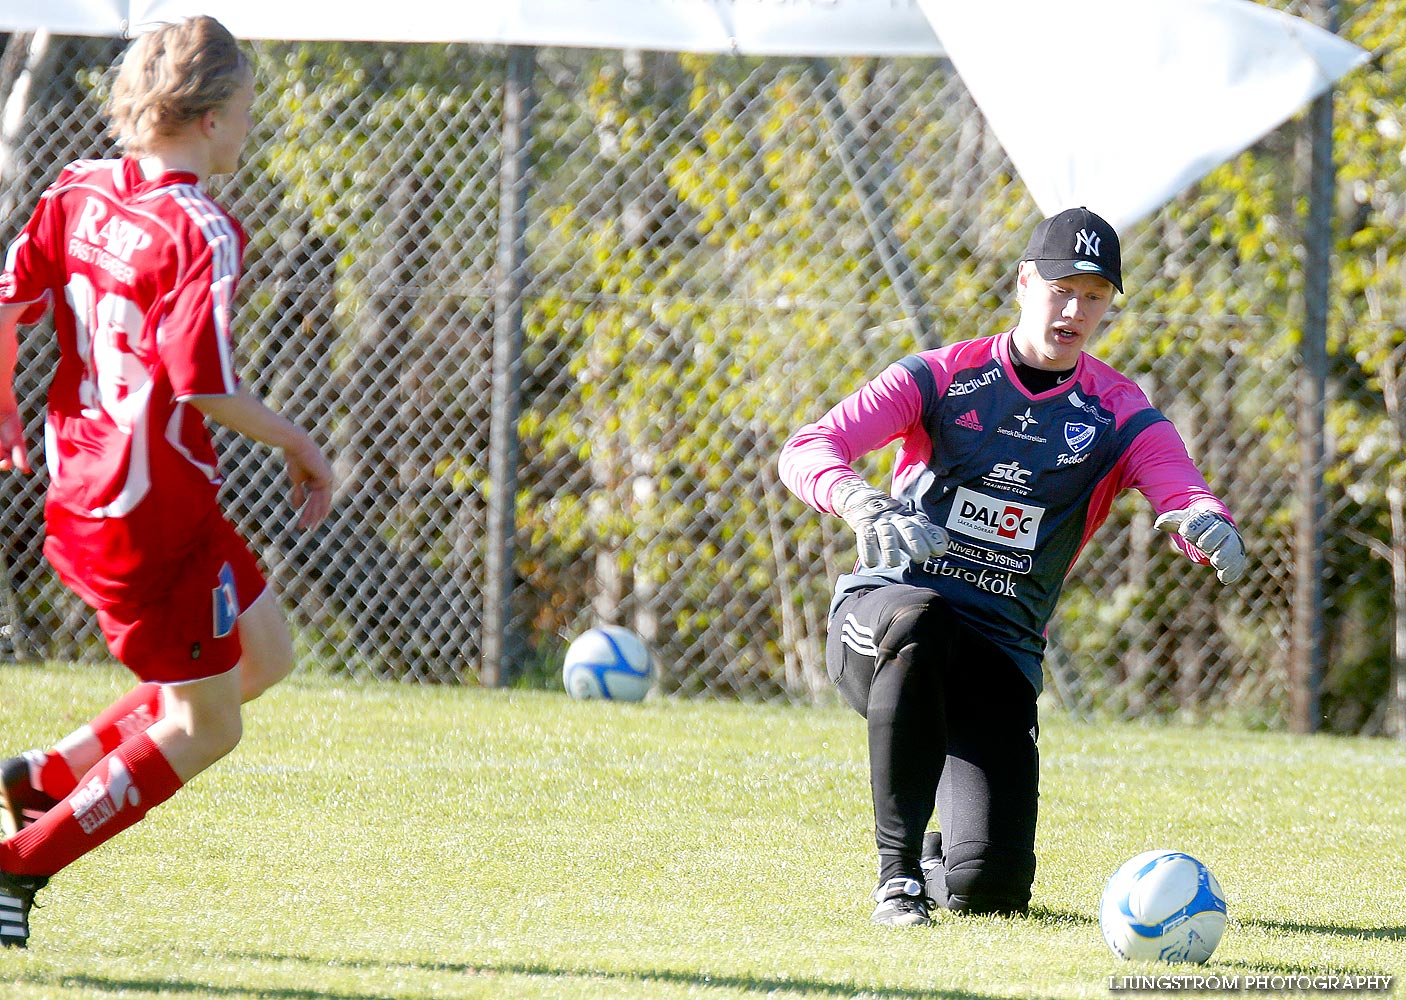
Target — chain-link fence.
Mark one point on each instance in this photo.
(715, 251)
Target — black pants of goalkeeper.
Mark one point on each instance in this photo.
(952, 726)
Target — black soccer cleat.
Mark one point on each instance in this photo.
(16, 900)
(902, 903)
(20, 802)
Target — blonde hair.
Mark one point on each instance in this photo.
(171, 76)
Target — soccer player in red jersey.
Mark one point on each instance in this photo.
(140, 267)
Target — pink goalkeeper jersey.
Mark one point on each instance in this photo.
(141, 276)
(1020, 481)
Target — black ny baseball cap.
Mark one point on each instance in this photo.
(1076, 241)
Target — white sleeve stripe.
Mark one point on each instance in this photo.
(174, 438)
(220, 235)
(12, 255)
(11, 259)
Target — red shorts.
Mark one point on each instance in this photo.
(186, 628)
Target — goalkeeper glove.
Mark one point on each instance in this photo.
(888, 531)
(1213, 534)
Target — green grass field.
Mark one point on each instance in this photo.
(386, 841)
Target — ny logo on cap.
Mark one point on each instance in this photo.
(1086, 243)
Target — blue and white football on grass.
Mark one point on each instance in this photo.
(1163, 906)
(608, 662)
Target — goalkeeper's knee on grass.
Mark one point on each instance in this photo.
(983, 878)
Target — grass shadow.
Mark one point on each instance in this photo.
(1304, 970)
(1052, 917)
(761, 985)
(1045, 915)
(130, 986)
(1361, 933)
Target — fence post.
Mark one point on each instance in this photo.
(872, 205)
(1307, 657)
(28, 59)
(503, 445)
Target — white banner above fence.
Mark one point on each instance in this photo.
(1114, 104)
(751, 27)
(1125, 105)
(64, 17)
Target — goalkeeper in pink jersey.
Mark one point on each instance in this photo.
(1011, 449)
(140, 267)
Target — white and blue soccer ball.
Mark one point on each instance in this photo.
(608, 662)
(1163, 906)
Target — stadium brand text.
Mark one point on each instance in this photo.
(973, 384)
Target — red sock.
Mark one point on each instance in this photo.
(124, 786)
(56, 772)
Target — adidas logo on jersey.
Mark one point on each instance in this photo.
(970, 421)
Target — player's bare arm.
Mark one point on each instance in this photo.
(13, 454)
(308, 469)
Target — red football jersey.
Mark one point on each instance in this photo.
(141, 275)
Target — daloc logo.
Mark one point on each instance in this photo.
(979, 516)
